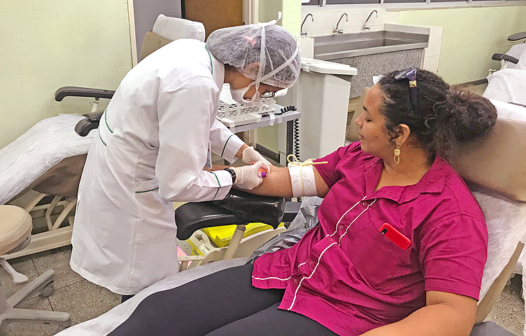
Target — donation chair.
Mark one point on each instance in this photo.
(495, 169)
(55, 158)
(15, 234)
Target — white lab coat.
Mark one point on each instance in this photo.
(150, 150)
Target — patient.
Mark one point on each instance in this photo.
(419, 274)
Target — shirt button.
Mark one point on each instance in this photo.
(295, 281)
(364, 203)
(341, 228)
(311, 263)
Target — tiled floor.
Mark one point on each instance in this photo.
(82, 299)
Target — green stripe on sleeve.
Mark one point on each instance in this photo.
(106, 120)
(224, 147)
(217, 191)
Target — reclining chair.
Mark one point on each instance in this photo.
(516, 55)
(509, 83)
(494, 169)
(56, 182)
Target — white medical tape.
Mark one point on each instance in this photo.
(272, 118)
(302, 176)
(302, 180)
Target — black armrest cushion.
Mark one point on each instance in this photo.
(74, 91)
(499, 57)
(88, 124)
(254, 208)
(237, 208)
(191, 217)
(517, 37)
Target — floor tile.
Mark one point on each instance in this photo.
(84, 301)
(32, 329)
(508, 312)
(57, 260)
(23, 265)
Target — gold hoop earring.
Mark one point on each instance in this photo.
(397, 154)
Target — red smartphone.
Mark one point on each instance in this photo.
(395, 236)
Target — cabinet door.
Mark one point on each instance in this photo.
(214, 14)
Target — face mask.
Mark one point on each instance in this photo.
(237, 95)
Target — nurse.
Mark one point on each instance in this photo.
(154, 141)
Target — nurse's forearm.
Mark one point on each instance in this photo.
(277, 183)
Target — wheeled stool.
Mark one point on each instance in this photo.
(15, 234)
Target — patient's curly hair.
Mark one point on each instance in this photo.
(445, 117)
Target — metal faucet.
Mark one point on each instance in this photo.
(306, 16)
(365, 27)
(340, 31)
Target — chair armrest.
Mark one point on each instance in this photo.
(89, 123)
(237, 208)
(500, 57)
(191, 217)
(74, 91)
(517, 37)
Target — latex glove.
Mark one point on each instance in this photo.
(247, 176)
(251, 155)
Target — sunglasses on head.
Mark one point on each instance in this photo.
(410, 75)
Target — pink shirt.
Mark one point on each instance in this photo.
(349, 277)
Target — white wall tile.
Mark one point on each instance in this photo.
(433, 49)
(431, 63)
(435, 34)
(391, 17)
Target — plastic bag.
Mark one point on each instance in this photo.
(306, 219)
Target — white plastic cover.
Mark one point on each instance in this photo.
(508, 85)
(271, 46)
(509, 111)
(506, 222)
(175, 28)
(37, 150)
(519, 52)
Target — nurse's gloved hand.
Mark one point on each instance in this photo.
(251, 155)
(247, 176)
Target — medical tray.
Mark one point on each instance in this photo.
(231, 111)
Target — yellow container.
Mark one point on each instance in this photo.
(221, 235)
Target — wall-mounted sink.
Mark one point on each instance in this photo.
(351, 45)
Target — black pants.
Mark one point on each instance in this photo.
(223, 303)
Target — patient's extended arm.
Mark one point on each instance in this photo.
(445, 314)
(277, 183)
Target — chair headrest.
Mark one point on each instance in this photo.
(151, 43)
(175, 28)
(496, 161)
